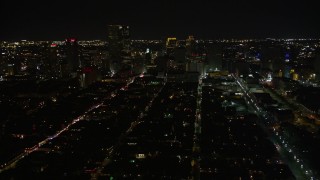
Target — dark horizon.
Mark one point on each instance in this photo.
(156, 20)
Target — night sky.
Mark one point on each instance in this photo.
(155, 19)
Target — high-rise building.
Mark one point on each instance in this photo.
(119, 46)
(88, 76)
(118, 39)
(195, 52)
(53, 64)
(148, 57)
(215, 57)
(271, 56)
(195, 67)
(11, 69)
(316, 64)
(171, 44)
(190, 46)
(180, 55)
(72, 56)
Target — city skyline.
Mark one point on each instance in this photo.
(171, 109)
(160, 90)
(156, 20)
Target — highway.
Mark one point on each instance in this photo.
(301, 112)
(286, 150)
(303, 115)
(197, 131)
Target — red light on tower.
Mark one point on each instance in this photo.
(87, 70)
(71, 40)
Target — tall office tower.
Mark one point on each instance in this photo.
(286, 67)
(271, 56)
(196, 56)
(72, 52)
(3, 60)
(196, 52)
(118, 39)
(71, 63)
(316, 64)
(119, 45)
(88, 76)
(180, 55)
(171, 44)
(190, 46)
(11, 69)
(148, 57)
(215, 57)
(53, 64)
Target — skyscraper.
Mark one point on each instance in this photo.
(118, 39)
(72, 56)
(190, 46)
(171, 44)
(53, 63)
(119, 47)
